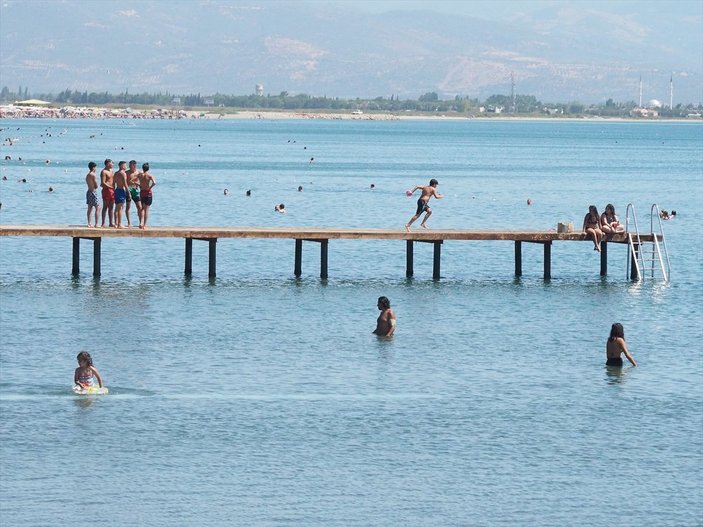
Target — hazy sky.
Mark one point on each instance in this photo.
(502, 9)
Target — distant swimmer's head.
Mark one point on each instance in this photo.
(384, 303)
(91, 166)
(84, 357)
(617, 331)
(145, 167)
(433, 182)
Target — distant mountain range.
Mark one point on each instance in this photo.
(208, 46)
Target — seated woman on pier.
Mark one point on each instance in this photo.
(592, 226)
(609, 221)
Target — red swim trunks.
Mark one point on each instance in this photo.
(108, 194)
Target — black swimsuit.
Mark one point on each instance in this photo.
(617, 361)
(422, 205)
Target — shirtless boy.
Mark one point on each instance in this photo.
(146, 183)
(121, 191)
(133, 183)
(423, 202)
(91, 195)
(108, 192)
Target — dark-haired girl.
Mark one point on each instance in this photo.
(86, 373)
(616, 346)
(592, 226)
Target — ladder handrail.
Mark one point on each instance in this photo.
(652, 211)
(630, 247)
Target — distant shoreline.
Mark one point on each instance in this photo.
(289, 115)
(40, 112)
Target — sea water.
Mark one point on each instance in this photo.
(260, 399)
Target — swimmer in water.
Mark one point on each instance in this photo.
(616, 346)
(280, 208)
(385, 323)
(86, 374)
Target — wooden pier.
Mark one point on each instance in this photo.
(319, 235)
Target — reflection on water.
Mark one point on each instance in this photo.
(617, 374)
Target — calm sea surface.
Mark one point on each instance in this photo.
(257, 399)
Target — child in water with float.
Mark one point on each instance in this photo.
(85, 374)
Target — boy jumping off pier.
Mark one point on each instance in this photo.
(423, 202)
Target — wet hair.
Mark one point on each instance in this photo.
(85, 356)
(145, 167)
(91, 165)
(121, 163)
(433, 182)
(616, 331)
(108, 161)
(132, 162)
(384, 302)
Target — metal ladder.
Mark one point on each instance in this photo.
(643, 260)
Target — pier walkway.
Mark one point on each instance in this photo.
(321, 235)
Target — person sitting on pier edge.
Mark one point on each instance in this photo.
(609, 221)
(385, 323)
(592, 226)
(616, 346)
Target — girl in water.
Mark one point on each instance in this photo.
(86, 373)
(592, 226)
(616, 346)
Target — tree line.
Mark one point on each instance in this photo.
(428, 102)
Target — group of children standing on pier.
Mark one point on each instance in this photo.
(119, 190)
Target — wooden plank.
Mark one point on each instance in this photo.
(316, 233)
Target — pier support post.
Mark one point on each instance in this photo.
(436, 260)
(323, 258)
(298, 258)
(408, 258)
(97, 242)
(518, 258)
(212, 258)
(75, 270)
(633, 261)
(547, 260)
(189, 257)
(603, 258)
